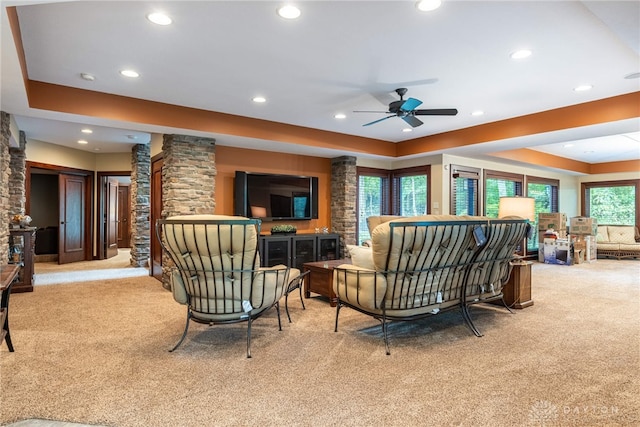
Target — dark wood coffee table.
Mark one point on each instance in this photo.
(320, 279)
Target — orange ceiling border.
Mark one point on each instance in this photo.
(605, 110)
(91, 103)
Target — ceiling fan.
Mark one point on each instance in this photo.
(406, 110)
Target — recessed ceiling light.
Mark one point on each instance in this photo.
(259, 99)
(87, 76)
(407, 130)
(632, 76)
(86, 130)
(428, 5)
(477, 113)
(582, 88)
(129, 73)
(159, 18)
(567, 145)
(132, 137)
(82, 141)
(521, 54)
(340, 116)
(589, 152)
(289, 12)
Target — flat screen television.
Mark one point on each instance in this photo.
(275, 197)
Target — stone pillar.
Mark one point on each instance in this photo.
(141, 231)
(5, 172)
(18, 177)
(188, 180)
(344, 187)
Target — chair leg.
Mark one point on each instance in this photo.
(385, 333)
(338, 305)
(249, 337)
(301, 299)
(286, 306)
(184, 334)
(467, 318)
(278, 311)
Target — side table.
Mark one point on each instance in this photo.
(320, 279)
(517, 291)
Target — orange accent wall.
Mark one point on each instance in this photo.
(230, 159)
(614, 167)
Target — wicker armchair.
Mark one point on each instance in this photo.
(217, 272)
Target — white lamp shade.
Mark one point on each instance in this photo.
(524, 207)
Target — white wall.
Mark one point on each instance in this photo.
(51, 154)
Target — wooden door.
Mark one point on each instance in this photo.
(111, 218)
(156, 214)
(124, 215)
(72, 232)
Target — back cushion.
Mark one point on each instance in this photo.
(603, 233)
(621, 234)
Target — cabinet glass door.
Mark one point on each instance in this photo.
(304, 250)
(276, 251)
(328, 247)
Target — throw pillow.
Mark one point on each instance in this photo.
(361, 256)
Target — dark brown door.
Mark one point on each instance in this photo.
(156, 214)
(111, 220)
(124, 208)
(71, 237)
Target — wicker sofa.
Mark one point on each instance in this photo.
(618, 241)
(423, 265)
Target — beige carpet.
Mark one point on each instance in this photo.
(96, 353)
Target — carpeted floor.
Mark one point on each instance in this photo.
(96, 353)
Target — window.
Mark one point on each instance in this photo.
(499, 184)
(545, 193)
(612, 202)
(464, 190)
(373, 198)
(399, 192)
(410, 196)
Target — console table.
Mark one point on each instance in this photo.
(320, 279)
(8, 275)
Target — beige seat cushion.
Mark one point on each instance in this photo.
(361, 256)
(374, 221)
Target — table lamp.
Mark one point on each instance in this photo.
(523, 207)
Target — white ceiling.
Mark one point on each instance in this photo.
(339, 56)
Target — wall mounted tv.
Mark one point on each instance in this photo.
(275, 197)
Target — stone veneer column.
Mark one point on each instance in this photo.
(18, 177)
(141, 231)
(5, 171)
(343, 199)
(188, 180)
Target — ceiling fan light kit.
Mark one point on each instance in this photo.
(406, 110)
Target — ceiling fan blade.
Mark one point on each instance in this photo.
(410, 104)
(436, 112)
(369, 111)
(412, 121)
(378, 121)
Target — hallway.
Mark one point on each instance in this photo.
(50, 273)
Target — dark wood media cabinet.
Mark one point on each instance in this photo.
(294, 250)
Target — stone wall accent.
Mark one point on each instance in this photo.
(5, 171)
(344, 188)
(141, 231)
(18, 177)
(188, 181)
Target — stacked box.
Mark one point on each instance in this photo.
(581, 225)
(554, 220)
(586, 244)
(557, 251)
